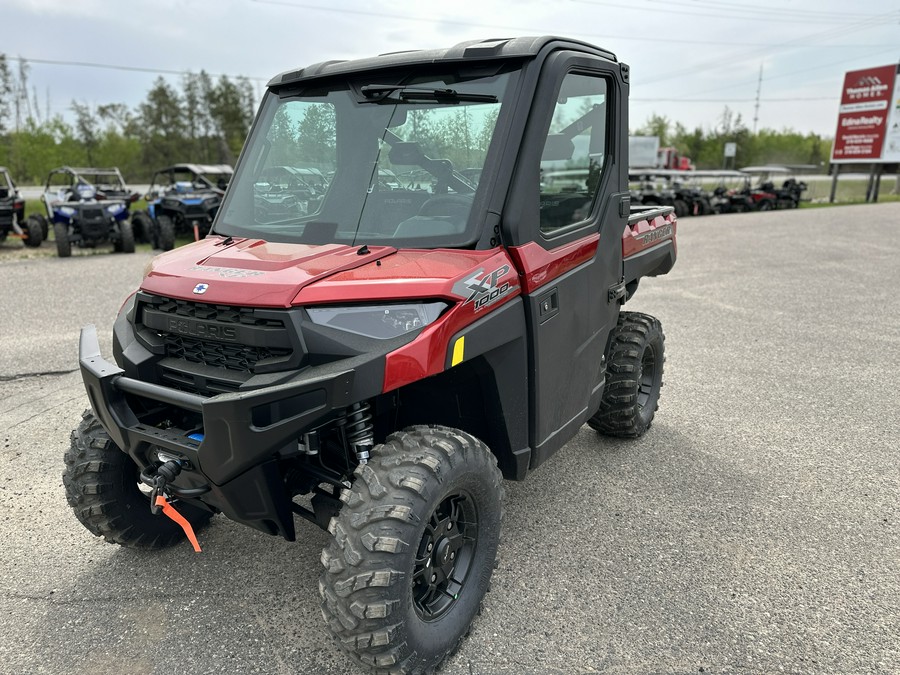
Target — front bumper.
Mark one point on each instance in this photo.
(234, 468)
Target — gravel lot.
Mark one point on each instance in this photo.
(753, 529)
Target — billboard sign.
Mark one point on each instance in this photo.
(868, 128)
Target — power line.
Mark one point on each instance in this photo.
(722, 62)
(768, 8)
(790, 16)
(793, 99)
(137, 69)
(791, 73)
(505, 27)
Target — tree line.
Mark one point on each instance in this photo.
(200, 119)
(204, 120)
(706, 147)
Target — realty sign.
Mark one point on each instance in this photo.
(868, 128)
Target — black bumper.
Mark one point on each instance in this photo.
(234, 468)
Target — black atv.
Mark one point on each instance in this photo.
(12, 215)
(182, 199)
(788, 196)
(89, 207)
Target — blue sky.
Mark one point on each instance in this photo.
(689, 58)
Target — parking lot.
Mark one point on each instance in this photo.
(755, 528)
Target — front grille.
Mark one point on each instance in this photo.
(92, 214)
(210, 349)
(220, 313)
(195, 210)
(219, 354)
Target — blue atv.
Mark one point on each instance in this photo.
(182, 199)
(88, 207)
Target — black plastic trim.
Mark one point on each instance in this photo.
(650, 263)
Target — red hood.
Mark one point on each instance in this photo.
(252, 272)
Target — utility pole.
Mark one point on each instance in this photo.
(756, 107)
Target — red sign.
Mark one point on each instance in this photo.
(863, 116)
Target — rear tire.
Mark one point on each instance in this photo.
(413, 549)
(681, 208)
(45, 225)
(63, 245)
(35, 234)
(165, 238)
(142, 226)
(101, 485)
(635, 358)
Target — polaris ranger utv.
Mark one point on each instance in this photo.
(183, 198)
(378, 364)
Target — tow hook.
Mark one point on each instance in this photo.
(158, 502)
(164, 475)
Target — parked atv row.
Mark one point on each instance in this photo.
(88, 207)
(666, 188)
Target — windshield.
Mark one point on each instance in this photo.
(367, 162)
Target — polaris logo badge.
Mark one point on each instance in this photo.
(202, 330)
(483, 288)
(200, 289)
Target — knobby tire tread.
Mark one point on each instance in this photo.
(364, 579)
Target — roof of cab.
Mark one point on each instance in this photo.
(471, 50)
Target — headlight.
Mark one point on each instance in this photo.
(115, 209)
(67, 211)
(377, 321)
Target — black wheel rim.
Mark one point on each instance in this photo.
(647, 385)
(444, 556)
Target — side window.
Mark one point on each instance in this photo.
(574, 154)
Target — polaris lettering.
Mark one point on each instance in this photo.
(202, 330)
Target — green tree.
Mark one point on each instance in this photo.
(162, 131)
(316, 135)
(231, 109)
(87, 127)
(6, 94)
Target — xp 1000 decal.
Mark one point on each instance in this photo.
(483, 289)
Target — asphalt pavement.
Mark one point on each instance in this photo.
(753, 529)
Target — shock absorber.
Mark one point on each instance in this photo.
(360, 430)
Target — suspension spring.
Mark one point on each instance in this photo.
(360, 430)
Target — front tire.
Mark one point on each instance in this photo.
(635, 358)
(413, 549)
(101, 485)
(63, 245)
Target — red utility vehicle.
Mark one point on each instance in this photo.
(378, 359)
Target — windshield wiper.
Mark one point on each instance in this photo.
(379, 92)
